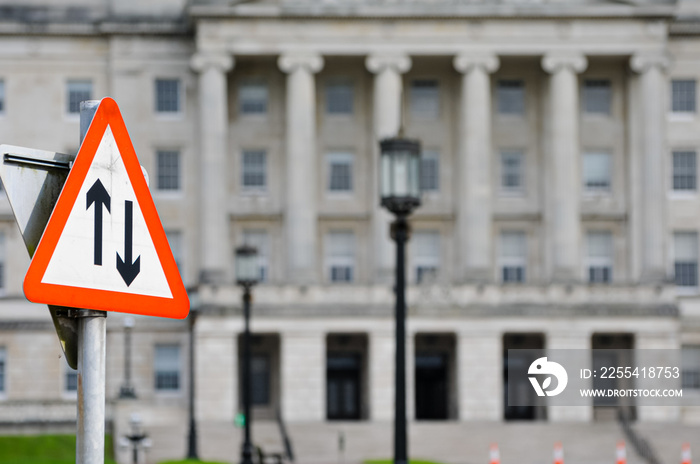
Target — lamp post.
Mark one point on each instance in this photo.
(127, 390)
(400, 194)
(247, 273)
(192, 433)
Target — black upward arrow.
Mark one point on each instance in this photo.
(98, 195)
(128, 270)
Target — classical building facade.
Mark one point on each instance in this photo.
(560, 201)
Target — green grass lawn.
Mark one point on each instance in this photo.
(44, 449)
(190, 461)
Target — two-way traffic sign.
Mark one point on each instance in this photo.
(104, 247)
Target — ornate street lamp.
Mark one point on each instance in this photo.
(247, 274)
(400, 194)
(138, 439)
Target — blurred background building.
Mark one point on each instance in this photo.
(560, 207)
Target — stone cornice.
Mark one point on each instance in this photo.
(448, 10)
(379, 62)
(290, 62)
(685, 26)
(554, 62)
(548, 311)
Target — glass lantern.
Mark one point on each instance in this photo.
(247, 266)
(400, 174)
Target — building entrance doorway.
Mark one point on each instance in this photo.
(434, 376)
(345, 360)
(609, 353)
(521, 387)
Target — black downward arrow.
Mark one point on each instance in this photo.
(98, 195)
(128, 270)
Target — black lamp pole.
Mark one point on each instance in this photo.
(247, 274)
(400, 230)
(127, 389)
(192, 434)
(247, 452)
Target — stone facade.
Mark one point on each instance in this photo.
(294, 50)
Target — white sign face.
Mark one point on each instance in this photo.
(105, 244)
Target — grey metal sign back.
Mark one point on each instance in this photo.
(33, 180)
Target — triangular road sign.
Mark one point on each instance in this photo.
(104, 247)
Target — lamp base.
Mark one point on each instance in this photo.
(400, 206)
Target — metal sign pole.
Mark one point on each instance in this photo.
(90, 434)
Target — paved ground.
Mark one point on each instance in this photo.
(451, 442)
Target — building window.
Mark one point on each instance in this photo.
(513, 256)
(2, 96)
(429, 180)
(3, 370)
(167, 367)
(78, 91)
(168, 169)
(596, 171)
(690, 366)
(426, 255)
(254, 169)
(425, 98)
(70, 379)
(600, 257)
(168, 96)
(512, 170)
(596, 96)
(176, 247)
(259, 239)
(683, 95)
(339, 97)
(252, 97)
(339, 172)
(684, 170)
(685, 252)
(260, 379)
(510, 96)
(340, 256)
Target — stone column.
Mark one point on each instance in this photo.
(388, 91)
(301, 166)
(215, 248)
(474, 213)
(303, 369)
(567, 336)
(653, 87)
(563, 166)
(216, 367)
(480, 375)
(382, 362)
(658, 346)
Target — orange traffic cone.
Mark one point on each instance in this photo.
(558, 454)
(685, 454)
(494, 455)
(621, 453)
